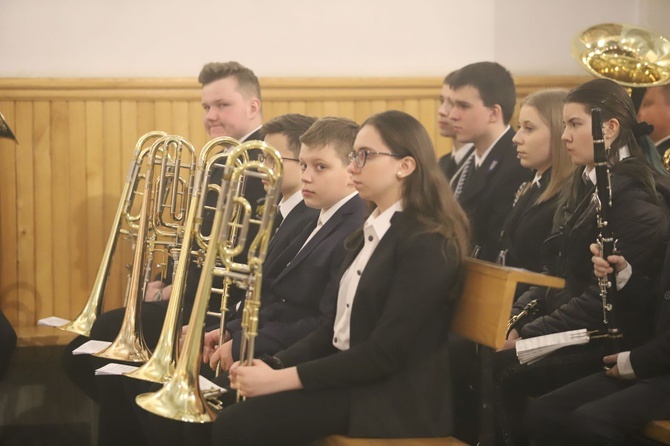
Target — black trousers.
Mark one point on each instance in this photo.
(284, 419)
(7, 343)
(598, 410)
(81, 368)
(515, 383)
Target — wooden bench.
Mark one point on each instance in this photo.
(481, 315)
(658, 431)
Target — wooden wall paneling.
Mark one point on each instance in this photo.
(25, 212)
(60, 189)
(362, 110)
(196, 127)
(114, 175)
(180, 120)
(330, 108)
(77, 229)
(278, 108)
(314, 108)
(146, 118)
(163, 117)
(347, 109)
(297, 106)
(376, 106)
(44, 228)
(8, 223)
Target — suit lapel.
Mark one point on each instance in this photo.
(480, 177)
(327, 228)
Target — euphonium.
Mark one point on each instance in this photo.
(84, 321)
(165, 199)
(180, 398)
(162, 363)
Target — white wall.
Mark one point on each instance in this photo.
(173, 38)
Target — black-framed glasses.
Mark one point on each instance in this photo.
(270, 161)
(360, 157)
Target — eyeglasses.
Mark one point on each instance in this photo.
(361, 157)
(270, 161)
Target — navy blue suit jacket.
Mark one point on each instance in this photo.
(292, 306)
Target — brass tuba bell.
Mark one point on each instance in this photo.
(5, 131)
(629, 55)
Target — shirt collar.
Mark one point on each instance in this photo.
(324, 216)
(287, 204)
(381, 222)
(462, 152)
(479, 160)
(250, 133)
(624, 153)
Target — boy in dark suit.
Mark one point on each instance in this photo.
(292, 305)
(484, 96)
(452, 162)
(655, 109)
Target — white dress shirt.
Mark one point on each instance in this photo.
(374, 229)
(324, 216)
(479, 160)
(286, 205)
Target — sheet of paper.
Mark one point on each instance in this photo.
(53, 321)
(90, 347)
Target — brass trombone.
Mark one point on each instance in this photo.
(181, 398)
(161, 365)
(84, 321)
(166, 197)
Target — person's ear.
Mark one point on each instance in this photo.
(406, 167)
(496, 113)
(254, 107)
(611, 129)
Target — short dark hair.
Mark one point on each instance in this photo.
(494, 83)
(449, 78)
(340, 133)
(247, 81)
(291, 125)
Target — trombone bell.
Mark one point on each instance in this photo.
(629, 55)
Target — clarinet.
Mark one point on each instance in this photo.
(606, 242)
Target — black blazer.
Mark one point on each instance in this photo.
(397, 368)
(296, 222)
(527, 226)
(449, 165)
(488, 194)
(294, 304)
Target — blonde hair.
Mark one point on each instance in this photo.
(549, 105)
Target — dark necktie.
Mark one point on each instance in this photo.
(468, 169)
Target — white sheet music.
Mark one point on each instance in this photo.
(115, 369)
(90, 347)
(53, 321)
(120, 369)
(533, 349)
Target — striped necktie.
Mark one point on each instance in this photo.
(467, 169)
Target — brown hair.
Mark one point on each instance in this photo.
(339, 133)
(291, 125)
(247, 82)
(493, 82)
(549, 105)
(426, 191)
